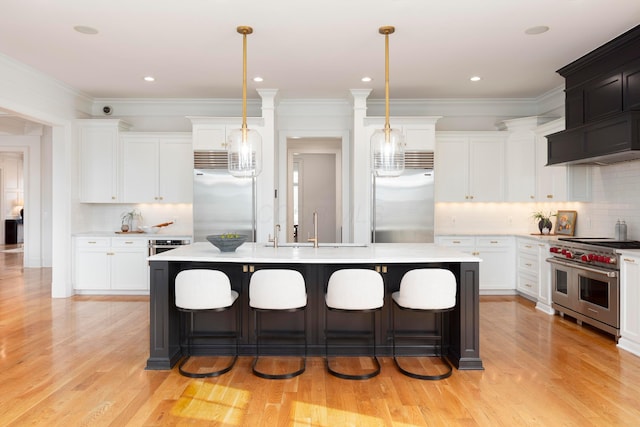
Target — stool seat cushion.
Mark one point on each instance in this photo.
(202, 289)
(355, 289)
(277, 289)
(427, 289)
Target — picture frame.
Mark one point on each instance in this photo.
(566, 222)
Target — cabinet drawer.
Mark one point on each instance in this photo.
(528, 264)
(528, 284)
(527, 246)
(456, 241)
(93, 242)
(494, 241)
(129, 242)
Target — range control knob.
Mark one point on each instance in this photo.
(554, 249)
(568, 254)
(585, 258)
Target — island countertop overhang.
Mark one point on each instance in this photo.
(371, 253)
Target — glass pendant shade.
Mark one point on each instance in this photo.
(387, 150)
(244, 150)
(244, 154)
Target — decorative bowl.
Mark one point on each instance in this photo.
(227, 242)
(149, 229)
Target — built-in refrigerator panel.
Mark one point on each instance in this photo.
(403, 208)
(222, 204)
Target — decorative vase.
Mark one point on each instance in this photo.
(545, 224)
(124, 228)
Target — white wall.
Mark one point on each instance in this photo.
(616, 195)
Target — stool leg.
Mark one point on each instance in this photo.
(374, 358)
(258, 334)
(439, 337)
(219, 372)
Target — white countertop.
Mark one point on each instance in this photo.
(372, 253)
(149, 236)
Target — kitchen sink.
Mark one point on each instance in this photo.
(321, 245)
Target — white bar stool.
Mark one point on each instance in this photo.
(430, 290)
(354, 291)
(200, 290)
(278, 290)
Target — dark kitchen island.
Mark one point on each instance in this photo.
(393, 260)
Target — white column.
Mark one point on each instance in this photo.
(360, 170)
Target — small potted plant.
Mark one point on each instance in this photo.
(544, 221)
(130, 220)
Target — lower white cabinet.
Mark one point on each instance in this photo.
(497, 269)
(629, 303)
(111, 265)
(533, 277)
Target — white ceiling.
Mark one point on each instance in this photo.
(309, 49)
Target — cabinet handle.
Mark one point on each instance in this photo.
(532, 197)
(128, 243)
(471, 197)
(549, 196)
(245, 268)
(528, 285)
(528, 246)
(252, 268)
(160, 198)
(494, 241)
(113, 197)
(529, 264)
(629, 260)
(92, 242)
(456, 242)
(110, 253)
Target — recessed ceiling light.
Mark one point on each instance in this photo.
(85, 30)
(475, 79)
(258, 79)
(366, 79)
(536, 30)
(149, 79)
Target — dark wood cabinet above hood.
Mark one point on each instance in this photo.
(602, 106)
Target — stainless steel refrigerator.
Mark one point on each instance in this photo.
(403, 207)
(221, 203)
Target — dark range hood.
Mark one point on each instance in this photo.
(602, 106)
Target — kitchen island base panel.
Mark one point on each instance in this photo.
(462, 328)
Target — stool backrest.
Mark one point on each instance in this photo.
(277, 289)
(355, 289)
(201, 289)
(428, 289)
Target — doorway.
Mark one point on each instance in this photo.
(314, 184)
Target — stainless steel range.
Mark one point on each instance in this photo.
(585, 280)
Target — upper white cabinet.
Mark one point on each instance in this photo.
(470, 166)
(520, 164)
(419, 132)
(559, 183)
(99, 160)
(158, 168)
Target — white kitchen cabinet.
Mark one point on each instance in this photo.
(99, 160)
(629, 303)
(533, 272)
(497, 269)
(520, 160)
(419, 131)
(559, 183)
(158, 168)
(105, 265)
(470, 166)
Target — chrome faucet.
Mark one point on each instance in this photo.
(314, 239)
(275, 236)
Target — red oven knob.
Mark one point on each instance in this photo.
(584, 258)
(591, 257)
(568, 254)
(554, 250)
(607, 260)
(599, 258)
(563, 252)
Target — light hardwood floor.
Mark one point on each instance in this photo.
(80, 362)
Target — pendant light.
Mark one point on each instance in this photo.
(244, 153)
(387, 145)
